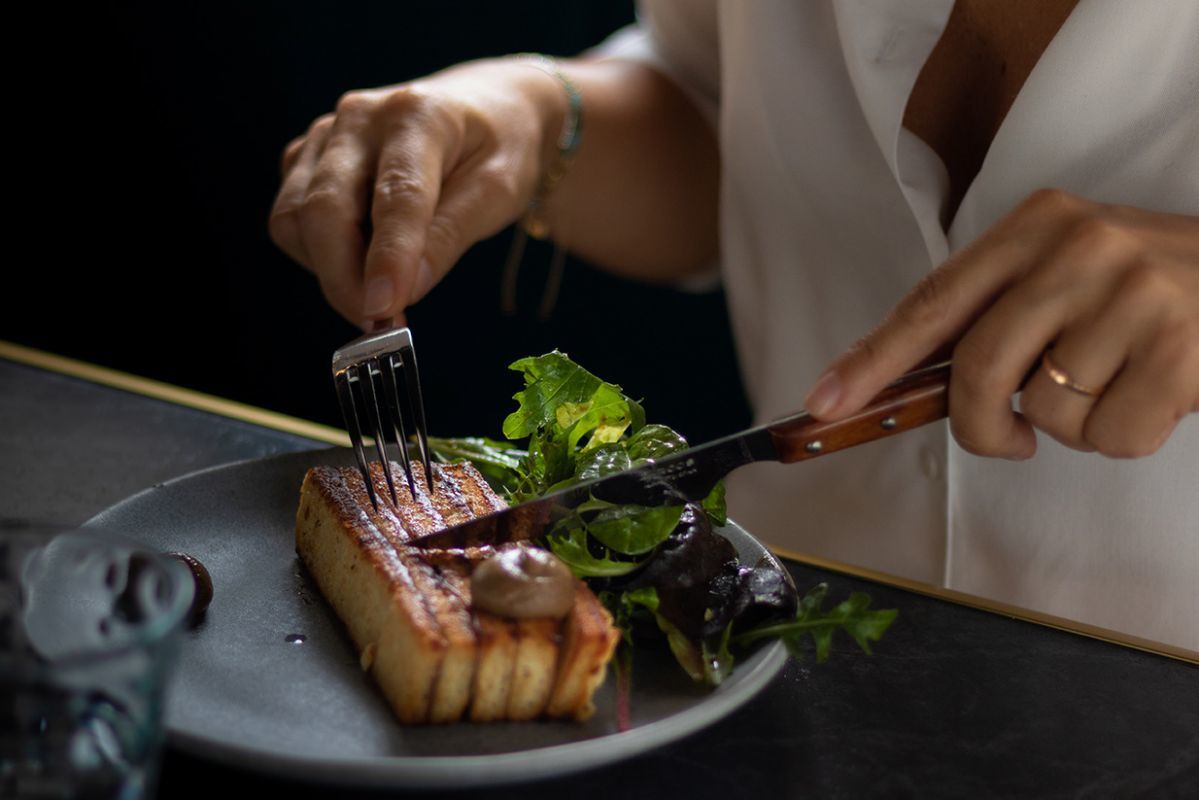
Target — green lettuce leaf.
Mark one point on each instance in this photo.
(713, 505)
(551, 381)
(655, 441)
(686, 651)
(666, 563)
(604, 418)
(563, 399)
(568, 413)
(569, 543)
(717, 659)
(634, 530)
(603, 460)
(499, 462)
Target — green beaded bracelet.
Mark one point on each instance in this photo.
(533, 223)
(568, 144)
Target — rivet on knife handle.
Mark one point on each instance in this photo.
(916, 399)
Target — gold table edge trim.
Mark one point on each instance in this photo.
(992, 606)
(324, 433)
(171, 393)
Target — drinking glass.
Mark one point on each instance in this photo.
(89, 629)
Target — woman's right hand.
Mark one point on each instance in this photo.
(380, 198)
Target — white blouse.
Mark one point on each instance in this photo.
(830, 214)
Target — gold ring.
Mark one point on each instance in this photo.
(1062, 378)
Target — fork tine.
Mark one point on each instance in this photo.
(345, 396)
(382, 354)
(397, 419)
(412, 383)
(372, 396)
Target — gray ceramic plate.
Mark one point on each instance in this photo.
(246, 694)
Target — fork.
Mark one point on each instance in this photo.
(362, 370)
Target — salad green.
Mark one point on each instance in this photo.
(660, 570)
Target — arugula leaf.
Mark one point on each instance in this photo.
(852, 616)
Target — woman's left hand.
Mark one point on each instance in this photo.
(1110, 294)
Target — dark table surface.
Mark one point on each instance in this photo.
(955, 702)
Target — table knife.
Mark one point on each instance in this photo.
(915, 399)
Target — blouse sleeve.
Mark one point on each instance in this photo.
(679, 38)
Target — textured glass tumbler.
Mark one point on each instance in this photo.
(89, 629)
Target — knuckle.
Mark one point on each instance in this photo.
(291, 151)
(405, 101)
(396, 186)
(353, 103)
(1098, 234)
(319, 200)
(1148, 283)
(414, 106)
(1176, 342)
(1051, 201)
(321, 125)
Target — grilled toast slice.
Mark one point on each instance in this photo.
(373, 588)
(588, 640)
(409, 611)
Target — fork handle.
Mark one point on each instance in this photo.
(916, 399)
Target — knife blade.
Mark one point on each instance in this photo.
(915, 399)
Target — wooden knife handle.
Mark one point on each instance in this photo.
(916, 399)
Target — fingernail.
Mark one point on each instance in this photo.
(380, 292)
(824, 395)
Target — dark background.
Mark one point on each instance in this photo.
(149, 167)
